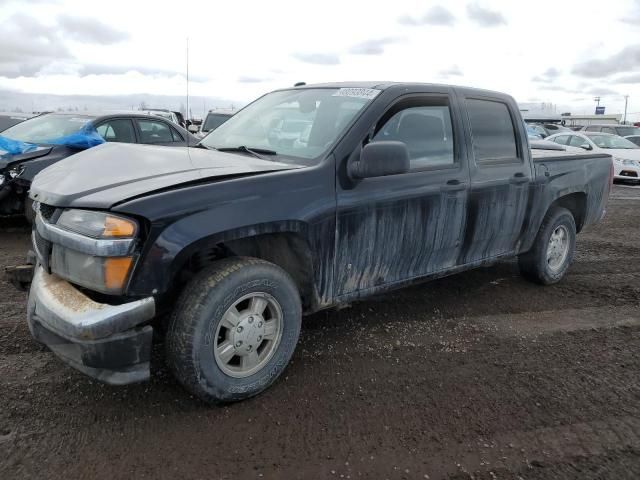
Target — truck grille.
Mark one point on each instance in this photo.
(46, 211)
(42, 249)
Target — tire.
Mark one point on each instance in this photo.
(535, 265)
(199, 333)
(29, 214)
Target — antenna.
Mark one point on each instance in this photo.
(187, 112)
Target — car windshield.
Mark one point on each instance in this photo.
(301, 124)
(626, 131)
(214, 120)
(7, 121)
(611, 141)
(46, 127)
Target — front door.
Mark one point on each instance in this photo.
(399, 227)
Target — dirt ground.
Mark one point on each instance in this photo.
(477, 376)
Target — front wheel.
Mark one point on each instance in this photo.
(554, 247)
(234, 329)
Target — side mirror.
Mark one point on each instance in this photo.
(193, 128)
(378, 159)
(586, 146)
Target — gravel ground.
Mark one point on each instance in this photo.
(481, 375)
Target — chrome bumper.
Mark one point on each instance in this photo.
(101, 340)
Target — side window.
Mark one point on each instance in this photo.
(593, 129)
(577, 141)
(152, 131)
(562, 139)
(176, 136)
(492, 131)
(425, 127)
(609, 130)
(119, 130)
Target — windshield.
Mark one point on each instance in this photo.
(7, 121)
(214, 120)
(611, 141)
(626, 131)
(46, 127)
(301, 124)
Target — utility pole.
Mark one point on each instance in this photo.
(626, 100)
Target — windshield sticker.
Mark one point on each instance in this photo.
(368, 93)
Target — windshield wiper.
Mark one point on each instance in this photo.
(256, 152)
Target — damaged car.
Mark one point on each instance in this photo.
(223, 248)
(34, 144)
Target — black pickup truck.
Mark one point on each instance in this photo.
(308, 198)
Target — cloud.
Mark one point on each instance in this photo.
(28, 46)
(249, 79)
(90, 30)
(632, 78)
(453, 71)
(374, 46)
(601, 91)
(437, 16)
(318, 58)
(625, 60)
(633, 17)
(549, 75)
(484, 16)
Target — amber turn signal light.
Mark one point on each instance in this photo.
(118, 227)
(116, 271)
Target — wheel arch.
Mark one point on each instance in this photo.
(283, 244)
(576, 203)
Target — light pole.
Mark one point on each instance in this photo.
(626, 100)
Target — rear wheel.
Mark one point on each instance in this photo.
(554, 247)
(234, 329)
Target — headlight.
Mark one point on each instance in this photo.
(16, 171)
(103, 274)
(617, 159)
(97, 224)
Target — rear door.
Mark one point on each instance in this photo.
(500, 178)
(158, 132)
(400, 227)
(117, 130)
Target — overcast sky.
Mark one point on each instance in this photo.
(565, 52)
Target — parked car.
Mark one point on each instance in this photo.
(175, 117)
(626, 155)
(213, 120)
(394, 184)
(634, 139)
(52, 137)
(9, 119)
(621, 130)
(546, 129)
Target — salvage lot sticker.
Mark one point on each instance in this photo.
(367, 93)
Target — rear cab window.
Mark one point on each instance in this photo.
(493, 132)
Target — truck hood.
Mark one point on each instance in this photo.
(115, 172)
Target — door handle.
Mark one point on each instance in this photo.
(453, 186)
(518, 178)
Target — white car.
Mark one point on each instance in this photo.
(634, 139)
(626, 155)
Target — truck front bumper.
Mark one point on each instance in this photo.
(106, 342)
